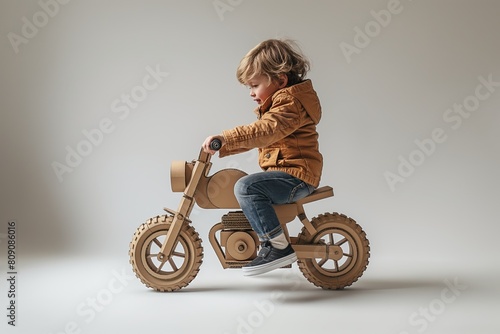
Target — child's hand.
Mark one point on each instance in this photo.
(206, 144)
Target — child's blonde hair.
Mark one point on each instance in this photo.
(272, 58)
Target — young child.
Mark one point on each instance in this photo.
(286, 137)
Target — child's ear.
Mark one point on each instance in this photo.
(282, 80)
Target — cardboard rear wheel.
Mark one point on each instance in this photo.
(179, 270)
(349, 242)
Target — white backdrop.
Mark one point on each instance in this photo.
(410, 93)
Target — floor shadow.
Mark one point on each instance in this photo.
(301, 291)
(366, 287)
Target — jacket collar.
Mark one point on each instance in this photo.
(266, 105)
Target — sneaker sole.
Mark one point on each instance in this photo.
(264, 268)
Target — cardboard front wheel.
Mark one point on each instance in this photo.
(176, 271)
(347, 256)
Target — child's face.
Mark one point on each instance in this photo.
(261, 88)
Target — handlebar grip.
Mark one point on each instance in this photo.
(215, 144)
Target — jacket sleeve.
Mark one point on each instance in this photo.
(282, 119)
(224, 152)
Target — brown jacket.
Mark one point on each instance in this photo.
(285, 134)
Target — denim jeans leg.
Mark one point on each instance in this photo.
(257, 193)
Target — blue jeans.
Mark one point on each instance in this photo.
(256, 194)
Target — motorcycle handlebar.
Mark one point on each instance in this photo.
(215, 144)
